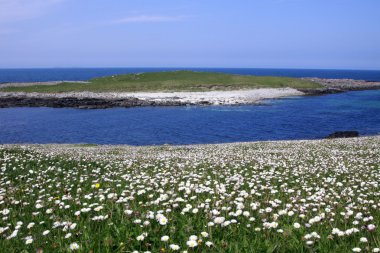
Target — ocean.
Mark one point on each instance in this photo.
(293, 118)
(83, 74)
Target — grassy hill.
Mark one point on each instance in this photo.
(171, 81)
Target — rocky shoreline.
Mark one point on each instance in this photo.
(90, 100)
(80, 103)
(331, 86)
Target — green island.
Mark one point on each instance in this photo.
(169, 81)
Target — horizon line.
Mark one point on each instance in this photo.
(279, 68)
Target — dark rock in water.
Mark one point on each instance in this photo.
(81, 103)
(321, 91)
(343, 134)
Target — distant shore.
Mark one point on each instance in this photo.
(98, 100)
(330, 86)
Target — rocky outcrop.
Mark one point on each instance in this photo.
(331, 86)
(343, 134)
(321, 91)
(81, 103)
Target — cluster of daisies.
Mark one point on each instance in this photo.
(317, 196)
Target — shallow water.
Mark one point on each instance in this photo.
(281, 119)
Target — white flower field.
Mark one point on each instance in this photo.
(297, 196)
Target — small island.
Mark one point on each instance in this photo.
(169, 88)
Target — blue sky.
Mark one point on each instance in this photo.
(340, 34)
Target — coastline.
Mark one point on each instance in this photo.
(331, 86)
(92, 100)
(122, 99)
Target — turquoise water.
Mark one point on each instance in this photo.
(283, 119)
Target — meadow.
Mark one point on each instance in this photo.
(298, 196)
(170, 81)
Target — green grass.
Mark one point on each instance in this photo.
(171, 81)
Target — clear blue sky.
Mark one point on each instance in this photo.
(341, 34)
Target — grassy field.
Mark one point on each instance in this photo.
(315, 196)
(171, 81)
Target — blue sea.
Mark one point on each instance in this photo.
(291, 118)
(83, 74)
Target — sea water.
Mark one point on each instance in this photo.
(280, 119)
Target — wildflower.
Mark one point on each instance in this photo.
(296, 225)
(209, 244)
(219, 220)
(371, 227)
(46, 232)
(204, 234)
(38, 206)
(111, 195)
(226, 223)
(162, 220)
(270, 224)
(191, 243)
(74, 246)
(2, 230)
(363, 239)
(140, 238)
(28, 240)
(165, 238)
(356, 249)
(14, 234)
(30, 225)
(174, 247)
(97, 185)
